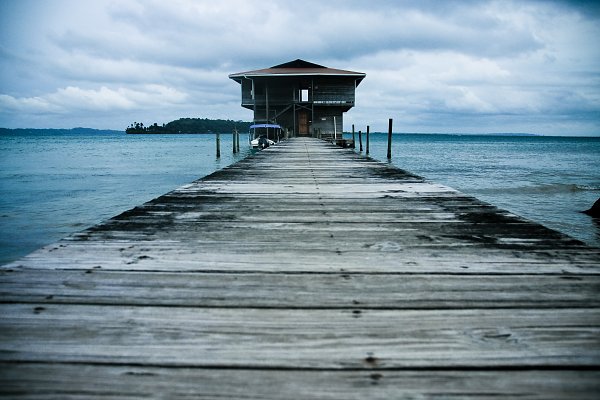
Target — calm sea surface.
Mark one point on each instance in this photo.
(545, 179)
(54, 185)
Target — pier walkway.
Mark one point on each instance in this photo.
(305, 271)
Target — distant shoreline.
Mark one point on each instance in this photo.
(174, 133)
(93, 131)
(87, 131)
(59, 131)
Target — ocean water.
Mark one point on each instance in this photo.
(54, 185)
(542, 178)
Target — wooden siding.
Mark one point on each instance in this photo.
(305, 272)
(285, 91)
(324, 120)
(334, 92)
(246, 87)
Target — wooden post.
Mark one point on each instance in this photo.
(353, 138)
(367, 139)
(218, 145)
(237, 141)
(334, 129)
(389, 149)
(233, 140)
(360, 140)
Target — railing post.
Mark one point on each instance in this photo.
(389, 149)
(367, 139)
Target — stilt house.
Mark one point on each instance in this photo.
(305, 99)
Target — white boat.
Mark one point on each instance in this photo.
(264, 135)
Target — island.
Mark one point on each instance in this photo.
(190, 126)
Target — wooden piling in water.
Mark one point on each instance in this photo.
(353, 138)
(218, 145)
(360, 141)
(389, 146)
(367, 152)
(233, 142)
(236, 140)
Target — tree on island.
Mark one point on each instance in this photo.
(190, 126)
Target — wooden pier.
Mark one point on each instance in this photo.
(305, 271)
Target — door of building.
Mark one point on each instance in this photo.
(302, 122)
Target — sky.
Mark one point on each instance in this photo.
(433, 66)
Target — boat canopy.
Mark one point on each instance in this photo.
(265, 126)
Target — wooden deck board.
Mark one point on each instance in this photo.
(377, 257)
(302, 290)
(305, 271)
(67, 381)
(300, 338)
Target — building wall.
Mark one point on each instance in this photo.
(329, 97)
(246, 92)
(334, 91)
(324, 119)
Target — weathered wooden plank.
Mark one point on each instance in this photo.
(42, 381)
(280, 290)
(131, 252)
(273, 338)
(357, 190)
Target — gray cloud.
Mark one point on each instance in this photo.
(449, 66)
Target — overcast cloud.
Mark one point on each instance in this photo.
(433, 66)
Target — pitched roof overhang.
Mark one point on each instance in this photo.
(297, 68)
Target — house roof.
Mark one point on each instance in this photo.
(297, 68)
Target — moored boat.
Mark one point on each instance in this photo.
(264, 135)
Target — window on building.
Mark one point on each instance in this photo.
(303, 95)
